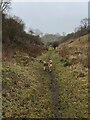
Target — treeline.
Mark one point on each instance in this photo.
(13, 34)
(82, 30)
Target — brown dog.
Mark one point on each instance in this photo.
(47, 65)
(50, 65)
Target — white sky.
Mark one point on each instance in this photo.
(50, 0)
(51, 17)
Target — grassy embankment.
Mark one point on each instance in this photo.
(26, 87)
(72, 78)
(26, 91)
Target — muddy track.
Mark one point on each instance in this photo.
(55, 93)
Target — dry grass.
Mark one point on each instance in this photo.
(76, 50)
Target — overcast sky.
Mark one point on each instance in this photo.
(51, 17)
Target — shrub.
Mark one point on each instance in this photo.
(66, 62)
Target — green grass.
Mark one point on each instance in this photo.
(73, 90)
(26, 89)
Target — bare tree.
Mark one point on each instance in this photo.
(63, 34)
(35, 32)
(38, 32)
(31, 32)
(84, 22)
(4, 5)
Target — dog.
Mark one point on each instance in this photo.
(50, 65)
(47, 65)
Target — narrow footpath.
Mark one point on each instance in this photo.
(54, 91)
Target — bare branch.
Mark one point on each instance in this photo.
(4, 5)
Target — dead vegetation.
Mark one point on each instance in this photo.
(76, 50)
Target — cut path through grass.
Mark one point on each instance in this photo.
(30, 92)
(73, 90)
(26, 91)
(53, 87)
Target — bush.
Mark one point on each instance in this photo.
(66, 62)
(14, 35)
(55, 44)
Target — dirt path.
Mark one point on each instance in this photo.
(55, 93)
